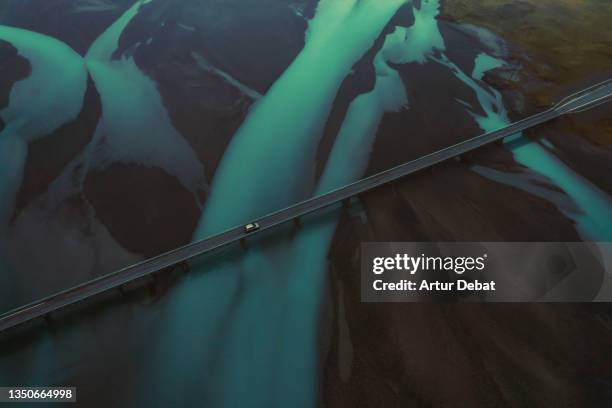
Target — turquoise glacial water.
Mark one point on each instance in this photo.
(53, 92)
(485, 62)
(284, 127)
(423, 36)
(266, 301)
(242, 328)
(135, 126)
(49, 97)
(593, 213)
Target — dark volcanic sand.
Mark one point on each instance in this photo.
(13, 68)
(379, 355)
(49, 155)
(465, 355)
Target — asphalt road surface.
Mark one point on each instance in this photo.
(578, 102)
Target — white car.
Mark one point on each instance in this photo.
(251, 227)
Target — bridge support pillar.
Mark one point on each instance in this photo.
(183, 267)
(297, 222)
(48, 318)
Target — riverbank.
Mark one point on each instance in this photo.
(480, 354)
(561, 45)
(484, 355)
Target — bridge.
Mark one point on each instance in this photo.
(579, 102)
